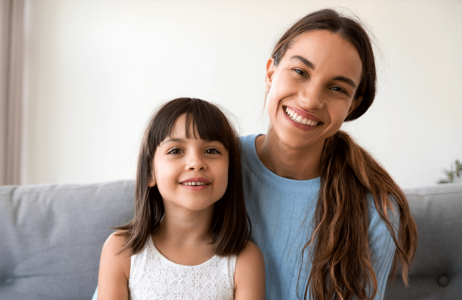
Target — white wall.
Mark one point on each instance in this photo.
(95, 71)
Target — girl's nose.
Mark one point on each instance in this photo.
(195, 163)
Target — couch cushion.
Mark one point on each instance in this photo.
(437, 269)
(51, 237)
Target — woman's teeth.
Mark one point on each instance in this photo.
(194, 183)
(299, 119)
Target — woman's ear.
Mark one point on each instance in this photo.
(152, 181)
(356, 102)
(269, 72)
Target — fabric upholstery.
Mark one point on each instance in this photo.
(51, 238)
(437, 211)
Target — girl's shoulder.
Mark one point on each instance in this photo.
(249, 277)
(114, 268)
(113, 251)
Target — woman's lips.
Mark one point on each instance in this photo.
(300, 118)
(303, 113)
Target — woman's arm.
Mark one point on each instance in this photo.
(114, 270)
(381, 244)
(249, 278)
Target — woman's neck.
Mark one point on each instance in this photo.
(284, 161)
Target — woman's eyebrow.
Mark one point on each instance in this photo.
(308, 63)
(346, 80)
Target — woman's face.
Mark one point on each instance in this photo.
(312, 88)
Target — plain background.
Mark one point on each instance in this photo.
(96, 70)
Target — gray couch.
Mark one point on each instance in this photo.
(51, 238)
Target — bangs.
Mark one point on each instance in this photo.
(203, 120)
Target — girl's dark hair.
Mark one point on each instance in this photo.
(230, 223)
(341, 266)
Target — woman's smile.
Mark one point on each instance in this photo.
(301, 119)
(312, 88)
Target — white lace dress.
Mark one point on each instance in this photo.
(152, 276)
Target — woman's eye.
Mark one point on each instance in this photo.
(175, 151)
(300, 72)
(212, 151)
(338, 89)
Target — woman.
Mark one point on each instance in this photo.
(326, 216)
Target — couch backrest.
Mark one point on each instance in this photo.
(436, 272)
(51, 237)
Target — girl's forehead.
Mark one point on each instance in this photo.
(182, 129)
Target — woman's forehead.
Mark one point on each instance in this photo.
(327, 51)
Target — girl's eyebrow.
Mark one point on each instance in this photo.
(171, 140)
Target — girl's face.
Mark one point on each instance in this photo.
(312, 88)
(190, 173)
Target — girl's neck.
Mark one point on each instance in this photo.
(183, 236)
(182, 228)
(298, 164)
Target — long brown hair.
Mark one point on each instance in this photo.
(230, 228)
(341, 266)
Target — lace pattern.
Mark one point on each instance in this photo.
(152, 276)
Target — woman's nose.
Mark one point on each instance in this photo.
(312, 97)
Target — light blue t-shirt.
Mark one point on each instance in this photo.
(281, 211)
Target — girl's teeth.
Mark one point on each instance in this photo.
(194, 183)
(299, 119)
(305, 121)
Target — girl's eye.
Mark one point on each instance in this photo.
(212, 151)
(300, 72)
(175, 151)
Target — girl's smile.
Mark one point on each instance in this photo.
(196, 183)
(190, 172)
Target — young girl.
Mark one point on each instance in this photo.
(189, 235)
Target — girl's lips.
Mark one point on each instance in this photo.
(195, 183)
(195, 187)
(196, 179)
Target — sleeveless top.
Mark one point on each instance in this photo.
(152, 276)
